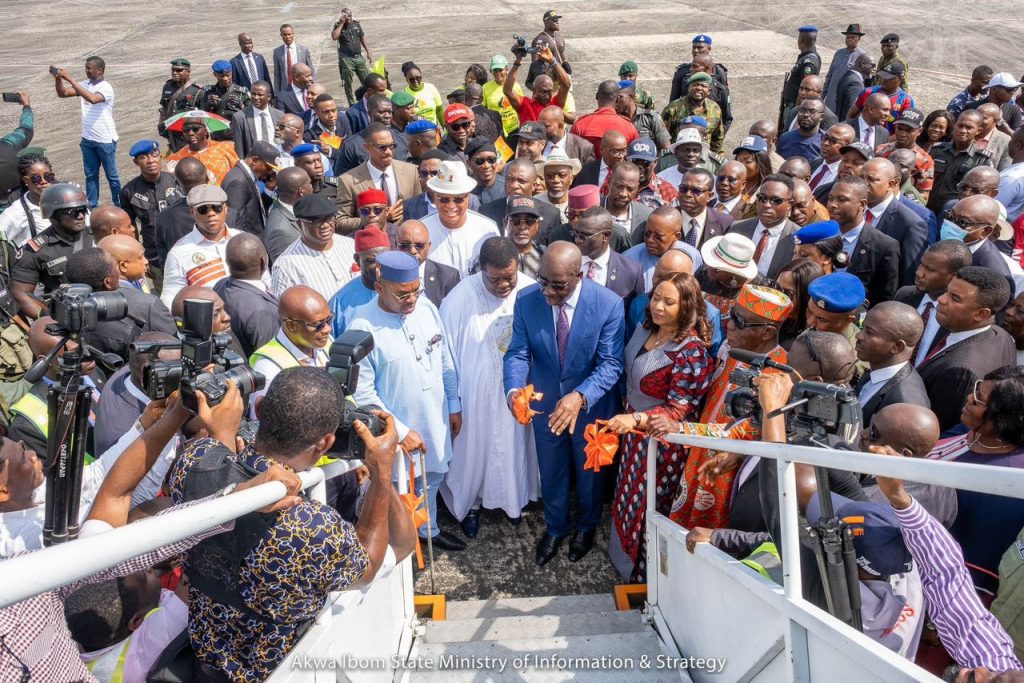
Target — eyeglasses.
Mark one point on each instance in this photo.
(443, 199)
(48, 177)
(974, 393)
(207, 208)
(973, 189)
(557, 286)
(402, 298)
(192, 127)
(614, 152)
(765, 199)
(428, 174)
(480, 161)
(648, 235)
(317, 326)
(372, 210)
(960, 222)
(690, 190)
(578, 236)
(413, 246)
(742, 323)
(831, 139)
(384, 148)
(523, 219)
(75, 212)
(809, 343)
(460, 126)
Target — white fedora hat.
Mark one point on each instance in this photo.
(452, 178)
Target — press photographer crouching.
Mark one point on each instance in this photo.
(253, 593)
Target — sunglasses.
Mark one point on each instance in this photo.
(372, 210)
(207, 208)
(412, 246)
(384, 148)
(75, 212)
(37, 179)
(742, 323)
(578, 236)
(831, 139)
(960, 222)
(557, 286)
(178, 69)
(765, 199)
(428, 174)
(521, 219)
(693, 191)
(460, 126)
(729, 178)
(480, 161)
(192, 127)
(317, 326)
(451, 200)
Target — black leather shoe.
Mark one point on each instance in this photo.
(447, 541)
(515, 521)
(547, 548)
(580, 545)
(471, 524)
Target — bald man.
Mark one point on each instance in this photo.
(252, 307)
(980, 214)
(887, 343)
(221, 318)
(437, 278)
(110, 220)
(579, 383)
(282, 226)
(810, 86)
(569, 144)
(990, 138)
(806, 209)
(887, 214)
(869, 124)
(130, 257)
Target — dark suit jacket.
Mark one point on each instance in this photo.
(114, 336)
(625, 277)
(281, 65)
(439, 279)
(950, 374)
(243, 128)
(881, 134)
(905, 386)
(876, 261)
(244, 196)
(288, 102)
(314, 128)
(117, 412)
(908, 295)
(353, 151)
(589, 174)
(240, 74)
(988, 256)
(550, 218)
(578, 148)
(907, 228)
(254, 318)
(717, 223)
(783, 251)
(358, 117)
(851, 85)
(924, 214)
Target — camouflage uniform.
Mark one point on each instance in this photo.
(678, 110)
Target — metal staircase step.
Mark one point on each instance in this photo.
(530, 626)
(509, 607)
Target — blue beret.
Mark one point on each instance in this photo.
(397, 266)
(695, 121)
(144, 147)
(626, 84)
(304, 149)
(816, 232)
(702, 39)
(808, 29)
(419, 126)
(837, 292)
(221, 66)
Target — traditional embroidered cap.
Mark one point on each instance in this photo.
(701, 39)
(583, 197)
(628, 67)
(402, 99)
(455, 112)
(144, 147)
(371, 238)
(752, 143)
(206, 194)
(304, 149)
(699, 77)
(766, 302)
(314, 206)
(731, 252)
(816, 232)
(837, 292)
(877, 538)
(642, 149)
(399, 267)
(371, 196)
(452, 179)
(221, 66)
(518, 203)
(419, 126)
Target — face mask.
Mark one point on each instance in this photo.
(952, 231)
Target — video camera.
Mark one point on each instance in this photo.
(346, 352)
(200, 348)
(522, 48)
(815, 411)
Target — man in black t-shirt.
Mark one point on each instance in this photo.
(351, 43)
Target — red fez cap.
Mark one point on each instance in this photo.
(371, 238)
(371, 196)
(583, 197)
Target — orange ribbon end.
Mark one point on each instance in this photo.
(521, 404)
(602, 444)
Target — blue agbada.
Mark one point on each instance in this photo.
(347, 299)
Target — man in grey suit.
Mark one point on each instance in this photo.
(288, 55)
(886, 343)
(996, 141)
(772, 230)
(253, 309)
(282, 226)
(256, 122)
(842, 61)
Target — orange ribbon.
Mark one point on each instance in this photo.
(521, 404)
(417, 507)
(602, 444)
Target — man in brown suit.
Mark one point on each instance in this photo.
(398, 179)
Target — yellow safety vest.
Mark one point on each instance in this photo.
(35, 410)
(765, 560)
(109, 667)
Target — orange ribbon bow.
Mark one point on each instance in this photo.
(602, 444)
(521, 404)
(417, 511)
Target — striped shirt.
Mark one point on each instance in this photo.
(324, 271)
(970, 633)
(98, 119)
(194, 261)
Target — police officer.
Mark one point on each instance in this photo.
(955, 158)
(43, 259)
(179, 94)
(808, 63)
(224, 97)
(149, 193)
(701, 45)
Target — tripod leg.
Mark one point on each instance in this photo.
(80, 439)
(58, 461)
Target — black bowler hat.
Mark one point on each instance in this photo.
(853, 30)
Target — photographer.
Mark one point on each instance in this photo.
(543, 87)
(282, 567)
(11, 145)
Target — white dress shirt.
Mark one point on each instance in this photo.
(879, 208)
(930, 329)
(864, 135)
(702, 220)
(601, 269)
(774, 234)
(850, 240)
(261, 116)
(559, 146)
(375, 175)
(831, 172)
(300, 95)
(570, 307)
(876, 379)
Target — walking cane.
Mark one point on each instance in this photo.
(426, 505)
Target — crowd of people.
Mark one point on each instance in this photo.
(531, 275)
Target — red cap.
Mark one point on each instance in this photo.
(371, 238)
(454, 112)
(371, 196)
(583, 197)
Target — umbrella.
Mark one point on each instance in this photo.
(214, 123)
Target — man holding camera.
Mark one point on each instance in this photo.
(543, 87)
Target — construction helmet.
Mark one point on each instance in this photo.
(61, 196)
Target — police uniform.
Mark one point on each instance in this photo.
(174, 100)
(950, 168)
(143, 200)
(232, 99)
(807, 64)
(43, 259)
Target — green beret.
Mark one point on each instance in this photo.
(181, 61)
(628, 68)
(402, 99)
(699, 77)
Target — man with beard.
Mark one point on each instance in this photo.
(805, 140)
(558, 171)
(906, 131)
(522, 220)
(179, 94)
(458, 122)
(217, 157)
(369, 244)
(529, 108)
(696, 103)
(353, 151)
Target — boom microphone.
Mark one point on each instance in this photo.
(758, 359)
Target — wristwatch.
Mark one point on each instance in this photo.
(639, 417)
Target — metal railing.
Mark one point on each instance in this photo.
(783, 636)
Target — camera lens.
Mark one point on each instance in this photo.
(246, 379)
(110, 305)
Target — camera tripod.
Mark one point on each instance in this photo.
(832, 542)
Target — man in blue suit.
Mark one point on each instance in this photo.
(567, 341)
(247, 66)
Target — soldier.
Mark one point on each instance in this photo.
(147, 194)
(223, 98)
(179, 94)
(808, 63)
(955, 158)
(697, 103)
(890, 53)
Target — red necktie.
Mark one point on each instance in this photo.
(926, 315)
(762, 244)
(941, 344)
(870, 218)
(822, 170)
(288, 51)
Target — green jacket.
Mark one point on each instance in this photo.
(677, 110)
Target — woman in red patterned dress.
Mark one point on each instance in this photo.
(668, 371)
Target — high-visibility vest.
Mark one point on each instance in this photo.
(109, 667)
(765, 560)
(35, 410)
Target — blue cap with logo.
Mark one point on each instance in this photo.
(144, 147)
(837, 292)
(752, 143)
(816, 232)
(397, 266)
(702, 39)
(877, 538)
(304, 149)
(643, 149)
(222, 66)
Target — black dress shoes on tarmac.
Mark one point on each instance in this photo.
(447, 541)
(547, 548)
(581, 544)
(471, 524)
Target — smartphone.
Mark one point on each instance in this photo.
(54, 71)
(12, 97)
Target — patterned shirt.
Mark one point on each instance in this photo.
(194, 261)
(218, 157)
(309, 552)
(529, 262)
(924, 170)
(957, 105)
(658, 192)
(325, 271)
(677, 110)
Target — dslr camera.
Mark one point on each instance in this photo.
(522, 47)
(346, 352)
(76, 309)
(200, 349)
